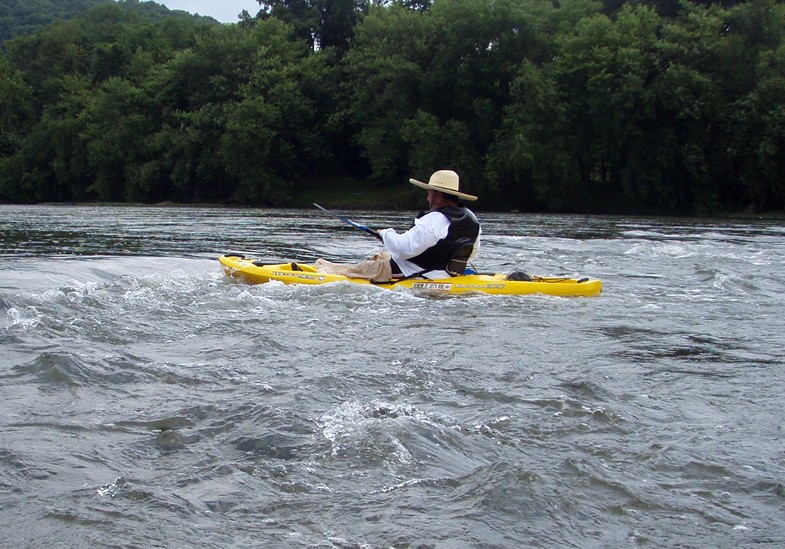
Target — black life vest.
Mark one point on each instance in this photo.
(451, 252)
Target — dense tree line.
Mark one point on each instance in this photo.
(578, 105)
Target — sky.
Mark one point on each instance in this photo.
(225, 11)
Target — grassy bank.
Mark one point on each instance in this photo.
(357, 194)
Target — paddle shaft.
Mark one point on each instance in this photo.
(352, 223)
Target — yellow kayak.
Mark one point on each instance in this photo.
(256, 272)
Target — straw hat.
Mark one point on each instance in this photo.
(445, 181)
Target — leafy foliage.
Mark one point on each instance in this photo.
(24, 17)
(637, 107)
(20, 17)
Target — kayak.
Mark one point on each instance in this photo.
(517, 283)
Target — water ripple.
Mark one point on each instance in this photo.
(149, 401)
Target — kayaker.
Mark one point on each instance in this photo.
(439, 244)
(443, 239)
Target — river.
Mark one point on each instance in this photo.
(147, 400)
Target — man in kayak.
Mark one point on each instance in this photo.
(439, 244)
(443, 239)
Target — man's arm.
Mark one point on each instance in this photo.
(425, 233)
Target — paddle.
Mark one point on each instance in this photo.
(352, 223)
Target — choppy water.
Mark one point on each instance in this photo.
(148, 401)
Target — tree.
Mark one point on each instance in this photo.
(383, 84)
(759, 121)
(633, 113)
(322, 23)
(15, 118)
(24, 17)
(433, 146)
(571, 106)
(302, 15)
(337, 19)
(15, 107)
(273, 133)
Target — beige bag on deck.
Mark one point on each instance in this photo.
(376, 268)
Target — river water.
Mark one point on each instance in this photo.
(146, 400)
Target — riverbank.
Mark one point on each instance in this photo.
(357, 194)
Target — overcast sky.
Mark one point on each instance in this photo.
(225, 11)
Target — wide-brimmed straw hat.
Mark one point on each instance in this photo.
(445, 181)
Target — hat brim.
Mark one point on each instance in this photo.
(428, 187)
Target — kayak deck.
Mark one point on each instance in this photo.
(256, 272)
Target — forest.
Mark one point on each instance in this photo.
(22, 17)
(616, 107)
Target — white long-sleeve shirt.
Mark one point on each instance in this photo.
(425, 233)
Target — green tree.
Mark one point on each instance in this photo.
(434, 146)
(22, 17)
(571, 106)
(15, 107)
(274, 131)
(15, 114)
(322, 23)
(51, 164)
(759, 124)
(302, 15)
(632, 114)
(529, 165)
(383, 85)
